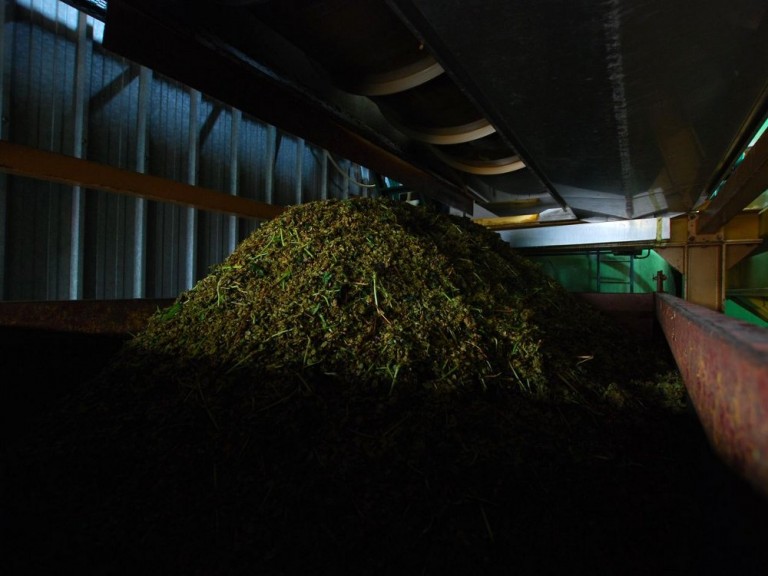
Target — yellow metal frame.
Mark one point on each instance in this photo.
(703, 259)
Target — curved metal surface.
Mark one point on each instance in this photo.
(615, 100)
(447, 135)
(482, 167)
(398, 80)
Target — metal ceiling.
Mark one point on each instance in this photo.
(620, 109)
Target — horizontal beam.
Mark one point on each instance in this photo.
(108, 317)
(645, 232)
(724, 364)
(43, 165)
(507, 222)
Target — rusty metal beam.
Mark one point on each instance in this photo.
(185, 45)
(107, 317)
(43, 165)
(747, 182)
(724, 364)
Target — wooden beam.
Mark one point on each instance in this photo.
(43, 165)
(747, 182)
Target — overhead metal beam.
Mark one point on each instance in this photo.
(646, 232)
(507, 222)
(724, 365)
(747, 182)
(33, 163)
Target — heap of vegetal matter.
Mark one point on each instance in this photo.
(382, 295)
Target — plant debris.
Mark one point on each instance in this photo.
(382, 295)
(369, 387)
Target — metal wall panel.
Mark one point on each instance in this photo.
(37, 228)
(4, 98)
(61, 91)
(37, 215)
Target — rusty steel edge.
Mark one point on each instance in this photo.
(724, 364)
(107, 317)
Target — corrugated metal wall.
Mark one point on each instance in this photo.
(62, 92)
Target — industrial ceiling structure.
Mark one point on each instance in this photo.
(557, 110)
(554, 118)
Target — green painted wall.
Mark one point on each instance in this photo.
(735, 310)
(607, 272)
(752, 272)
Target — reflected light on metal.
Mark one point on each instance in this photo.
(650, 230)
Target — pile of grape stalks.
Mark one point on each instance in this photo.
(362, 383)
(383, 297)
